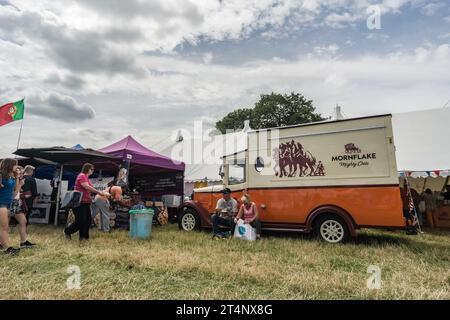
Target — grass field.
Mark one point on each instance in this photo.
(180, 265)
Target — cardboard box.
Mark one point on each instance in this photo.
(158, 204)
(149, 203)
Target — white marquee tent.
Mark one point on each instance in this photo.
(421, 139)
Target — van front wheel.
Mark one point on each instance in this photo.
(189, 220)
(331, 228)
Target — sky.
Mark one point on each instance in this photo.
(93, 72)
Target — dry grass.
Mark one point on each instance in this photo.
(180, 265)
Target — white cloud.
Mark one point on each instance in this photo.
(331, 49)
(431, 8)
(208, 57)
(340, 20)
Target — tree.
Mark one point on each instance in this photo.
(272, 110)
(234, 120)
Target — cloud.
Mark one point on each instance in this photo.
(69, 81)
(208, 57)
(60, 107)
(331, 49)
(167, 63)
(432, 8)
(340, 20)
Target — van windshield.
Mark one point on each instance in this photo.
(236, 172)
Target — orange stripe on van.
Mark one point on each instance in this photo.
(375, 206)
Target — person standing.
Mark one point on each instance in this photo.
(29, 191)
(430, 206)
(17, 210)
(82, 213)
(9, 187)
(105, 206)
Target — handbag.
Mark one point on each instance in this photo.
(71, 200)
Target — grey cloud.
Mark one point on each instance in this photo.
(75, 50)
(61, 107)
(156, 10)
(70, 81)
(98, 135)
(87, 52)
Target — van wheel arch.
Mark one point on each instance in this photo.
(330, 210)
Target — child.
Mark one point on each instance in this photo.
(17, 212)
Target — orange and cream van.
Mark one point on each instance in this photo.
(330, 178)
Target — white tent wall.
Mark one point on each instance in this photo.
(421, 183)
(202, 155)
(422, 140)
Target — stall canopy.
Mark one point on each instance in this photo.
(142, 160)
(66, 156)
(151, 174)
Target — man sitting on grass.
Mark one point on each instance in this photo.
(226, 210)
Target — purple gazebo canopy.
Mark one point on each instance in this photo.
(129, 149)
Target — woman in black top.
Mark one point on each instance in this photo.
(29, 190)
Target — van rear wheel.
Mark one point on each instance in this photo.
(189, 220)
(331, 228)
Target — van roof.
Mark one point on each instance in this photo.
(322, 122)
(305, 125)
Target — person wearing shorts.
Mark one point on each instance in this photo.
(18, 212)
(9, 187)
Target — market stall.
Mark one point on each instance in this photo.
(155, 179)
(63, 158)
(436, 182)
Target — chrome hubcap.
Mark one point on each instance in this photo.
(332, 231)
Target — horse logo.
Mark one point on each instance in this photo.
(291, 160)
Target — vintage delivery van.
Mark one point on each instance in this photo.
(330, 178)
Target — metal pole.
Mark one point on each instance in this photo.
(20, 134)
(414, 206)
(58, 195)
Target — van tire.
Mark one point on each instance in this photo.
(331, 228)
(189, 220)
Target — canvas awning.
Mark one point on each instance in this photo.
(140, 157)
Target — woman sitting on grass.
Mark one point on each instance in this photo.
(249, 213)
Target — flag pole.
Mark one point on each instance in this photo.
(20, 133)
(21, 126)
(411, 199)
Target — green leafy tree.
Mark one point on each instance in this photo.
(272, 110)
(234, 120)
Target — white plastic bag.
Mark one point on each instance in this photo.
(244, 231)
